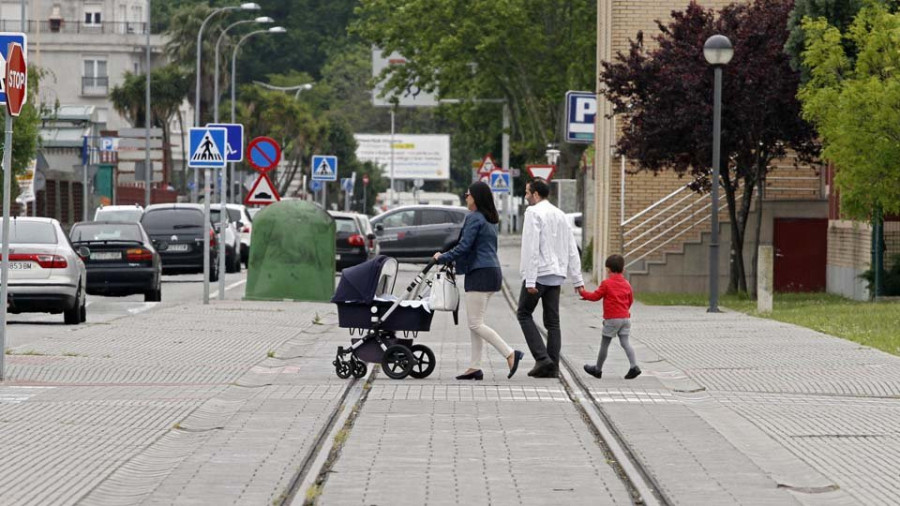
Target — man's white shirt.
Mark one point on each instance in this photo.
(548, 246)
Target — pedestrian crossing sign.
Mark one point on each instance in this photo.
(208, 148)
(324, 168)
(500, 181)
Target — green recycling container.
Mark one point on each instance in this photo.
(291, 253)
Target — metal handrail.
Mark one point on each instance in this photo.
(654, 205)
(662, 212)
(676, 236)
(663, 222)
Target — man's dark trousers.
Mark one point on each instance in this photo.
(549, 297)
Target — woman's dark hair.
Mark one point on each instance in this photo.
(484, 201)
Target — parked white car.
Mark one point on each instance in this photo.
(46, 274)
(119, 213)
(240, 216)
(232, 239)
(575, 223)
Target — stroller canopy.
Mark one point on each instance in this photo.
(363, 282)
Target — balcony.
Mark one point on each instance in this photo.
(94, 86)
(64, 26)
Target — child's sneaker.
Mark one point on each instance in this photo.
(634, 372)
(593, 371)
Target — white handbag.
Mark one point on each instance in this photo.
(444, 294)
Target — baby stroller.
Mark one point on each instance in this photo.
(366, 305)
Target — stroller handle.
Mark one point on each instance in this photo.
(431, 263)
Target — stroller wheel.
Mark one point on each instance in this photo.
(342, 369)
(397, 361)
(359, 368)
(425, 361)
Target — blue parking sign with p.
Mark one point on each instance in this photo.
(6, 38)
(234, 133)
(581, 112)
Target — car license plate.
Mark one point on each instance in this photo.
(106, 255)
(337, 257)
(20, 266)
(179, 248)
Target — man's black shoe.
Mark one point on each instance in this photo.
(592, 370)
(634, 372)
(535, 369)
(546, 369)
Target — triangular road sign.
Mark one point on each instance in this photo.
(263, 192)
(207, 151)
(324, 169)
(544, 172)
(487, 165)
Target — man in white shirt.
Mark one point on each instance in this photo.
(549, 257)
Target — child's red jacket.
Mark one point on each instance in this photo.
(616, 294)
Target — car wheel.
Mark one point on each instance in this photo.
(77, 314)
(237, 263)
(214, 271)
(154, 295)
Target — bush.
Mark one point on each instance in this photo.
(587, 257)
(890, 282)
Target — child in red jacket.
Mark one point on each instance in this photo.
(617, 299)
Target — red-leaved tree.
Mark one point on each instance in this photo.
(667, 95)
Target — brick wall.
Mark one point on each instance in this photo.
(786, 181)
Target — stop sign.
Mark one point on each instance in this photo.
(16, 79)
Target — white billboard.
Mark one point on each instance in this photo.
(415, 156)
(413, 97)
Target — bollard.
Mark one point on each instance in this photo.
(765, 278)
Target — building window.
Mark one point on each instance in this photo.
(94, 80)
(92, 15)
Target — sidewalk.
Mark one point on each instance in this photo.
(735, 409)
(177, 405)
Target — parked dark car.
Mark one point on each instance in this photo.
(414, 233)
(181, 228)
(122, 260)
(354, 240)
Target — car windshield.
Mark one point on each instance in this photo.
(106, 232)
(31, 232)
(169, 219)
(233, 215)
(123, 215)
(345, 226)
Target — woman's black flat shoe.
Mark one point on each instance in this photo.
(474, 375)
(517, 356)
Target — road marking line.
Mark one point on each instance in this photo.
(214, 295)
(143, 307)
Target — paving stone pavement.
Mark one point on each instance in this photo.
(180, 405)
(749, 410)
(499, 441)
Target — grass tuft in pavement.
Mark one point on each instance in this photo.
(875, 324)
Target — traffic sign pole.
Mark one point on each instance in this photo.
(207, 176)
(223, 213)
(16, 93)
(4, 276)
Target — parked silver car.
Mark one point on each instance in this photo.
(46, 273)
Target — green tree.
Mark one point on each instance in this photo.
(25, 137)
(839, 13)
(855, 105)
(169, 86)
(528, 52)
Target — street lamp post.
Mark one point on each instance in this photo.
(237, 47)
(222, 210)
(260, 20)
(245, 7)
(718, 52)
